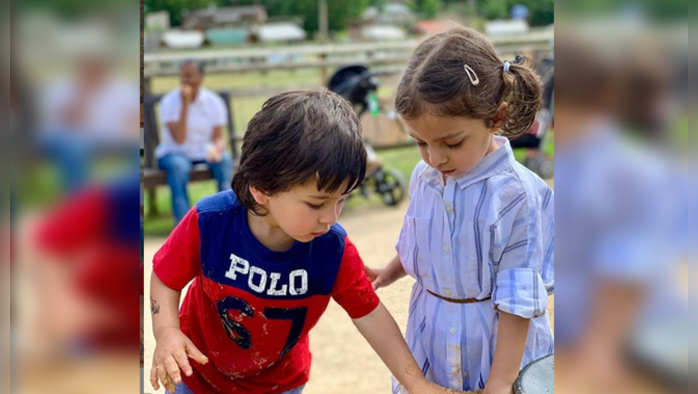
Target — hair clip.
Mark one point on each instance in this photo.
(506, 66)
(472, 76)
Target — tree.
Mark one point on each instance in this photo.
(494, 9)
(339, 12)
(427, 8)
(175, 8)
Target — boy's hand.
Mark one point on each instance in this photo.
(172, 352)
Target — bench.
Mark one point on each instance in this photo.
(152, 175)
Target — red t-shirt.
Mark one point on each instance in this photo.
(249, 309)
(96, 232)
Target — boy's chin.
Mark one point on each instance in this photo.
(304, 238)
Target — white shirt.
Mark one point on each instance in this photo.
(110, 114)
(205, 112)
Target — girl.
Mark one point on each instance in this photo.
(266, 258)
(478, 233)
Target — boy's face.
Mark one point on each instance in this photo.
(452, 145)
(304, 212)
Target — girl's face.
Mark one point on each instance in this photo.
(452, 145)
(303, 212)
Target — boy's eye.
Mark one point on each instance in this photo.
(314, 206)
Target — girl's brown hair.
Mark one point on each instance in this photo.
(436, 82)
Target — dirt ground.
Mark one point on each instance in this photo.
(342, 360)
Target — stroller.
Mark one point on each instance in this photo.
(532, 140)
(356, 84)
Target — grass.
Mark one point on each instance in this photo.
(160, 224)
(401, 159)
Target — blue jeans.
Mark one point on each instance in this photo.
(177, 166)
(72, 155)
(183, 389)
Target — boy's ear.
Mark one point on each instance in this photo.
(260, 196)
(496, 122)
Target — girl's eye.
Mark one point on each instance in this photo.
(456, 145)
(314, 206)
(421, 144)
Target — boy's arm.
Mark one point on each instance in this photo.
(511, 341)
(164, 306)
(382, 333)
(173, 349)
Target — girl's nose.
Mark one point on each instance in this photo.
(436, 157)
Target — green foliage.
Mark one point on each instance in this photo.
(339, 12)
(176, 8)
(541, 12)
(494, 9)
(426, 8)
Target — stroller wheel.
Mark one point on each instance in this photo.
(390, 186)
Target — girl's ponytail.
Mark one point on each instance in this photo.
(523, 98)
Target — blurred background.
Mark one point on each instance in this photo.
(88, 205)
(251, 50)
(75, 268)
(625, 195)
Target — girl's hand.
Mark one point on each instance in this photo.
(380, 277)
(426, 386)
(172, 352)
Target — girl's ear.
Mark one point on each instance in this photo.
(496, 122)
(260, 196)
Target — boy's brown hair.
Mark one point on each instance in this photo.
(436, 82)
(298, 135)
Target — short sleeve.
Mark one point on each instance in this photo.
(169, 108)
(77, 222)
(352, 289)
(220, 114)
(179, 259)
(519, 286)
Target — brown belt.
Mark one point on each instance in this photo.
(456, 300)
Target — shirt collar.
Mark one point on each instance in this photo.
(495, 162)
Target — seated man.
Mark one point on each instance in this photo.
(193, 119)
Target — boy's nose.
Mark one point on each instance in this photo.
(329, 217)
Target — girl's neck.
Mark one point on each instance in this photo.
(493, 146)
(268, 233)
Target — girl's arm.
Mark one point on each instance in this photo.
(172, 348)
(385, 276)
(382, 333)
(511, 341)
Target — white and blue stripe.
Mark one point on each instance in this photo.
(487, 233)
